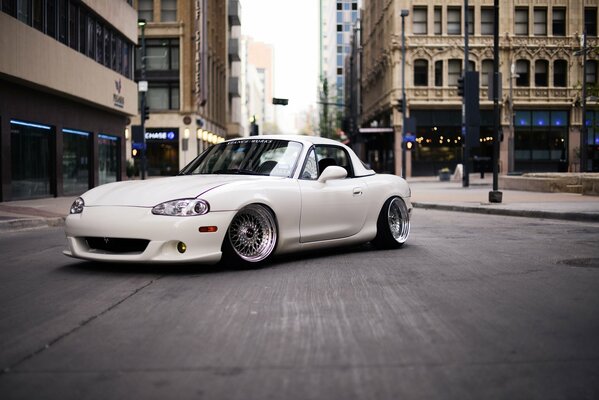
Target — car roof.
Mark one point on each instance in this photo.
(359, 167)
(298, 138)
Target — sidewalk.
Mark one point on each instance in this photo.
(428, 193)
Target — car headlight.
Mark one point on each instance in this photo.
(182, 207)
(77, 206)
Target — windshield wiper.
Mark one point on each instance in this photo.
(236, 171)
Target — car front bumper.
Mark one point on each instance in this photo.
(163, 233)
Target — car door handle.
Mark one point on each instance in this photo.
(357, 191)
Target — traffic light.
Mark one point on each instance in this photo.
(146, 113)
(461, 86)
(134, 153)
(282, 102)
(399, 105)
(409, 146)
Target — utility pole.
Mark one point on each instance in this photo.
(404, 14)
(495, 196)
(465, 166)
(142, 24)
(583, 129)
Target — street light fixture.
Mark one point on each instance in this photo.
(404, 13)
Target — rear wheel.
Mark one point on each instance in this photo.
(393, 224)
(252, 236)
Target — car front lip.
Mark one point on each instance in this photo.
(162, 232)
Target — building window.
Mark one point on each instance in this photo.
(108, 158)
(559, 22)
(522, 69)
(560, 73)
(521, 22)
(339, 71)
(74, 26)
(339, 6)
(75, 161)
(454, 71)
(37, 11)
(541, 73)
(439, 73)
(419, 21)
(438, 20)
(420, 73)
(145, 10)
(591, 72)
(24, 11)
(62, 22)
(161, 55)
(31, 155)
(168, 11)
(486, 20)
(471, 20)
(541, 137)
(339, 27)
(163, 95)
(590, 21)
(454, 21)
(51, 19)
(540, 21)
(487, 72)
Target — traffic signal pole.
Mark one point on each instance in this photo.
(143, 101)
(495, 196)
(465, 166)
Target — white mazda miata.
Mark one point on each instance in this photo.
(243, 200)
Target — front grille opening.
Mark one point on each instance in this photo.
(117, 245)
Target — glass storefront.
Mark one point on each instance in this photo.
(108, 158)
(31, 160)
(592, 125)
(75, 161)
(541, 141)
(439, 142)
(162, 151)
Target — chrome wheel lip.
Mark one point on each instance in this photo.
(253, 233)
(398, 219)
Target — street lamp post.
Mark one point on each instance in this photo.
(404, 14)
(142, 24)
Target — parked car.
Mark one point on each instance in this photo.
(243, 200)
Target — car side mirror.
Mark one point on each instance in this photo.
(332, 172)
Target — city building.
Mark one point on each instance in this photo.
(192, 66)
(260, 67)
(542, 73)
(337, 22)
(66, 92)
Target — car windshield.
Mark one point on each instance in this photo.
(267, 157)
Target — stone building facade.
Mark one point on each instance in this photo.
(542, 74)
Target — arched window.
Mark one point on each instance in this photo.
(523, 73)
(420, 73)
(541, 73)
(560, 73)
(487, 72)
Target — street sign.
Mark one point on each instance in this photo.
(142, 86)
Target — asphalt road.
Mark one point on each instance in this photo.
(473, 307)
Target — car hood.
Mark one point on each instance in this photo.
(148, 193)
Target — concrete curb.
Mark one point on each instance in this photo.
(21, 224)
(492, 210)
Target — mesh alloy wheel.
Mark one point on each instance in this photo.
(253, 233)
(399, 220)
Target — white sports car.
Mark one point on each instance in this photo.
(243, 200)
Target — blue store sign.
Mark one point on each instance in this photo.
(162, 134)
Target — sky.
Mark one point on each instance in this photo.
(291, 27)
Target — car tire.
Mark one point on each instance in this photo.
(393, 224)
(251, 238)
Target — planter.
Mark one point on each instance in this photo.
(444, 176)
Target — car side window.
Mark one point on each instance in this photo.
(333, 155)
(310, 170)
